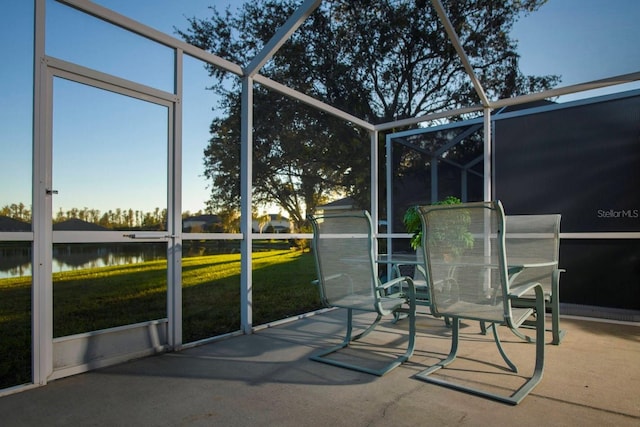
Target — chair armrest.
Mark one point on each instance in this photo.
(397, 281)
(520, 290)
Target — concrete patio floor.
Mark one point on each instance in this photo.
(266, 379)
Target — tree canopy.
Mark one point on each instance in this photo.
(379, 60)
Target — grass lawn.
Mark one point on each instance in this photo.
(94, 299)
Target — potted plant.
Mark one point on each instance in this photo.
(453, 238)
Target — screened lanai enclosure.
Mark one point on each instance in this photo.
(112, 248)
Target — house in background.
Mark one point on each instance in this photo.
(201, 223)
(276, 224)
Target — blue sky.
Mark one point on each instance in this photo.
(579, 39)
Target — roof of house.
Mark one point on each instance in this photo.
(345, 203)
(206, 218)
(10, 224)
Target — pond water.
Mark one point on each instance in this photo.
(16, 262)
(15, 259)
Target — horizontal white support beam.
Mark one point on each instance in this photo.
(281, 236)
(16, 236)
(73, 236)
(212, 236)
(593, 236)
(597, 236)
(89, 76)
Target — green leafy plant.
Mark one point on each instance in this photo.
(457, 237)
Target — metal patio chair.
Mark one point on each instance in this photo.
(347, 278)
(470, 238)
(537, 236)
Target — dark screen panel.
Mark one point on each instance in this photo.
(582, 162)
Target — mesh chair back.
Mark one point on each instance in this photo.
(464, 250)
(533, 238)
(345, 260)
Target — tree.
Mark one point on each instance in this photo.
(378, 60)
(16, 211)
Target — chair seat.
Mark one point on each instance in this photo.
(391, 304)
(470, 310)
(363, 302)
